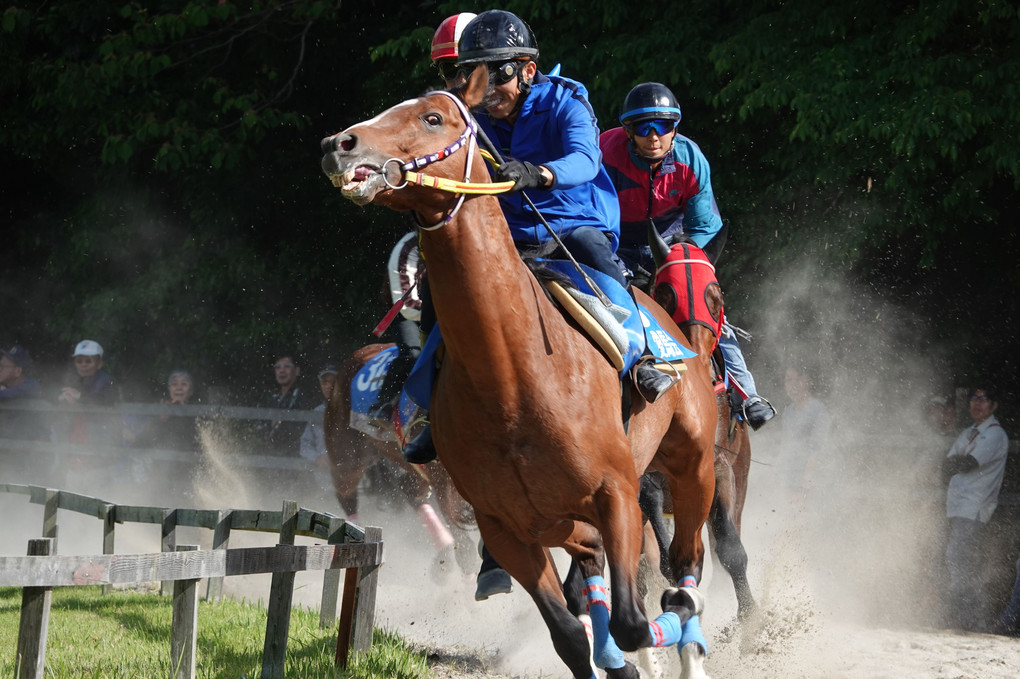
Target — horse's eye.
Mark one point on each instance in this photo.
(665, 296)
(432, 119)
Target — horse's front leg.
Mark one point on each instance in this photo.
(586, 570)
(533, 568)
(620, 525)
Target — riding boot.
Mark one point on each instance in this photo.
(651, 382)
(420, 449)
(757, 411)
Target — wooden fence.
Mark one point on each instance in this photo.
(355, 550)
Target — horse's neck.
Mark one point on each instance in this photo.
(479, 285)
(702, 341)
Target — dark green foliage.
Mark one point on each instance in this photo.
(163, 187)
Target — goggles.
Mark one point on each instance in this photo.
(646, 127)
(501, 73)
(449, 70)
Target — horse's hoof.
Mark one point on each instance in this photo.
(495, 581)
(676, 599)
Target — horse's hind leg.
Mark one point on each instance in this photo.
(533, 568)
(729, 548)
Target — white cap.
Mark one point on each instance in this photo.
(88, 348)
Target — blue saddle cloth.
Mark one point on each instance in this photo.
(641, 328)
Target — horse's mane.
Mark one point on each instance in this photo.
(533, 257)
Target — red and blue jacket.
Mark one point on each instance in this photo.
(678, 197)
(556, 127)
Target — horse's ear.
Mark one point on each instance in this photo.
(473, 91)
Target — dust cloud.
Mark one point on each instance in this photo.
(846, 574)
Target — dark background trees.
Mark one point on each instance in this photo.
(163, 195)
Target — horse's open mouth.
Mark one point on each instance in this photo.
(359, 184)
(349, 181)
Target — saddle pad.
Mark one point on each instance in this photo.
(365, 390)
(640, 327)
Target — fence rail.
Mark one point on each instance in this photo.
(355, 550)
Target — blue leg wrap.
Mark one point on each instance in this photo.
(665, 629)
(692, 633)
(607, 654)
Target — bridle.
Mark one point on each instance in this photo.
(469, 139)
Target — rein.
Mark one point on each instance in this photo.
(468, 138)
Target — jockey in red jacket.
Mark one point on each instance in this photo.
(662, 176)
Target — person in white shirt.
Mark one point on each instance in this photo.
(974, 468)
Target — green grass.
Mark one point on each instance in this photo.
(126, 635)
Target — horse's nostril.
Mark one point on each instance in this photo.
(338, 142)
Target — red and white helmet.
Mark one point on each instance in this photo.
(444, 42)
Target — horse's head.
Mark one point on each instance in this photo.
(686, 287)
(369, 161)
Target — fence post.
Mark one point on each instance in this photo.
(357, 613)
(281, 592)
(331, 577)
(168, 543)
(35, 620)
(221, 539)
(109, 515)
(50, 516)
(184, 631)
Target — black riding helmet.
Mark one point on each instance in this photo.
(495, 35)
(649, 101)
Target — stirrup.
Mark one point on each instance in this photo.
(651, 382)
(420, 449)
(757, 421)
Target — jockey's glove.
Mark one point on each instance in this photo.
(523, 174)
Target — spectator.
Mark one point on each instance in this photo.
(313, 440)
(806, 425)
(283, 437)
(90, 385)
(171, 432)
(17, 386)
(974, 468)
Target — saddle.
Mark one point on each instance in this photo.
(622, 329)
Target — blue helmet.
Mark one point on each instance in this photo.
(649, 101)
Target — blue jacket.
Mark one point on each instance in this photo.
(556, 127)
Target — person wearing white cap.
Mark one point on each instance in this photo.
(91, 385)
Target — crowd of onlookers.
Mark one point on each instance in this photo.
(70, 415)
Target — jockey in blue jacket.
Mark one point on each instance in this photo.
(662, 176)
(547, 133)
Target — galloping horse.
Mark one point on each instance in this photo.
(698, 310)
(352, 452)
(526, 412)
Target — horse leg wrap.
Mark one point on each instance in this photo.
(665, 629)
(692, 634)
(606, 653)
(441, 537)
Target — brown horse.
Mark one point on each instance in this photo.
(352, 452)
(526, 412)
(732, 443)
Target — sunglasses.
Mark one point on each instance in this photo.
(449, 70)
(646, 127)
